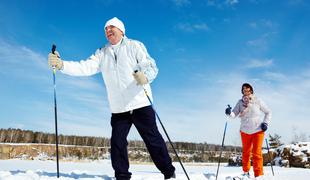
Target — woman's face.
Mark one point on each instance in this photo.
(246, 91)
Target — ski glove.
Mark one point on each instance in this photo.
(264, 126)
(228, 111)
(140, 78)
(55, 61)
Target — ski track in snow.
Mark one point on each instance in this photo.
(102, 170)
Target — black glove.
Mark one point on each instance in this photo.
(264, 126)
(228, 110)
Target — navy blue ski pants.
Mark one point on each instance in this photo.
(145, 122)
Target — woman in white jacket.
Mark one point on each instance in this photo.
(126, 68)
(252, 128)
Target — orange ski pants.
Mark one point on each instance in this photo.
(252, 142)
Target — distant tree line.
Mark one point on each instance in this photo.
(27, 136)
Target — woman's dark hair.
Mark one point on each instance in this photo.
(247, 85)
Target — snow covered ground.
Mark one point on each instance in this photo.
(95, 170)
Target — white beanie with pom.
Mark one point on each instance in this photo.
(115, 22)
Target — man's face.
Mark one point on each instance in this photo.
(113, 34)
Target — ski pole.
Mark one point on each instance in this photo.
(218, 165)
(269, 156)
(55, 109)
(175, 152)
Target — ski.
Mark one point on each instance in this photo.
(213, 176)
(239, 177)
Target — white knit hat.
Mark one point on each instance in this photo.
(115, 22)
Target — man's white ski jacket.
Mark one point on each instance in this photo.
(117, 66)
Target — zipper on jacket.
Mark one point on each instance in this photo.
(115, 57)
(117, 74)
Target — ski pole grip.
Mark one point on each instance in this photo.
(53, 51)
(53, 48)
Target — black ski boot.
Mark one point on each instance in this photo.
(170, 176)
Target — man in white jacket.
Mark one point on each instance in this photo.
(126, 68)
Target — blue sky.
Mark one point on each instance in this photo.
(204, 50)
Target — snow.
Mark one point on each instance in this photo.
(300, 148)
(102, 170)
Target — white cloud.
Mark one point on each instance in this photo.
(253, 25)
(187, 27)
(264, 24)
(253, 1)
(268, 23)
(221, 4)
(226, 20)
(202, 26)
(16, 59)
(262, 42)
(258, 63)
(296, 2)
(211, 2)
(289, 101)
(275, 76)
(232, 2)
(86, 126)
(181, 3)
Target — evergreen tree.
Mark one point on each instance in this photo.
(274, 141)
